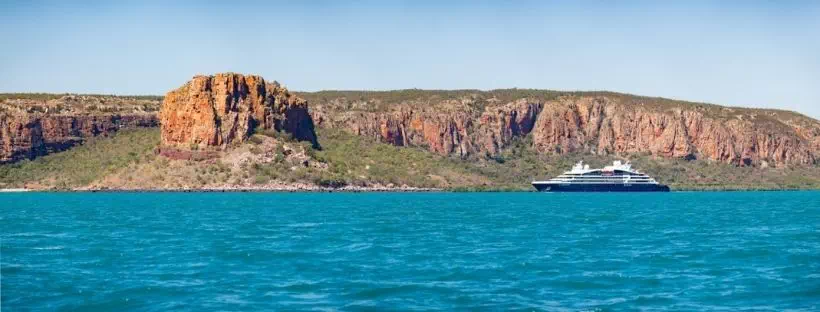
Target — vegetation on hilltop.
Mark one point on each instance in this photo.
(54, 96)
(77, 104)
(383, 100)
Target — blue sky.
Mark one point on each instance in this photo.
(744, 53)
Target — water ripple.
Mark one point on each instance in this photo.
(329, 252)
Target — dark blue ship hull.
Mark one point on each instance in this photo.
(604, 187)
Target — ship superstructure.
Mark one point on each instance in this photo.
(618, 177)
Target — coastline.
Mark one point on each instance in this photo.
(271, 188)
(350, 189)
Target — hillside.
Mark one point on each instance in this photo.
(127, 161)
(469, 123)
(231, 131)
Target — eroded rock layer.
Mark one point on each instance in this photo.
(481, 124)
(27, 136)
(33, 124)
(216, 111)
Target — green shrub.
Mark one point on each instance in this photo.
(260, 179)
(85, 163)
(330, 182)
(255, 139)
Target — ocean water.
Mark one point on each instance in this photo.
(432, 251)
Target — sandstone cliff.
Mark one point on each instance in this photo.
(465, 123)
(216, 111)
(34, 127)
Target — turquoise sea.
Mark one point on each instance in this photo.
(396, 251)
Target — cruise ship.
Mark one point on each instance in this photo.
(619, 177)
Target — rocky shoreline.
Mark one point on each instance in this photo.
(347, 189)
(270, 187)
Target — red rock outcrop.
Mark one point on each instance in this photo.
(216, 111)
(606, 126)
(601, 124)
(28, 135)
(451, 128)
(33, 125)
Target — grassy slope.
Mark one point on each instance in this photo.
(81, 165)
(519, 164)
(126, 159)
(350, 160)
(359, 161)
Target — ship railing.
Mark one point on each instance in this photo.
(601, 181)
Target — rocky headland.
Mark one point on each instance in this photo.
(225, 109)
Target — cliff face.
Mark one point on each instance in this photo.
(33, 125)
(26, 136)
(450, 128)
(215, 111)
(604, 126)
(481, 124)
